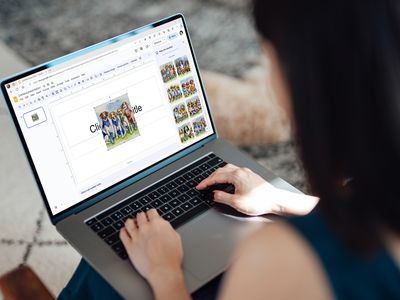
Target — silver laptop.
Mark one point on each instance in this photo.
(120, 127)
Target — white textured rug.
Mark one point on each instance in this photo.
(26, 235)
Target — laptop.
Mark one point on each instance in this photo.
(123, 126)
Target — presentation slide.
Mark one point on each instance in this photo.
(105, 128)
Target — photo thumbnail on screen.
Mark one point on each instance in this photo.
(117, 121)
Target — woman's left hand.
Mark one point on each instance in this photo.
(153, 246)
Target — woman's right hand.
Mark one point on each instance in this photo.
(254, 196)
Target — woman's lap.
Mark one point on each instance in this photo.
(86, 283)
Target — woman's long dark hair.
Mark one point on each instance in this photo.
(342, 63)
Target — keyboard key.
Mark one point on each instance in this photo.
(188, 176)
(199, 162)
(163, 190)
(133, 215)
(212, 155)
(145, 200)
(180, 180)
(204, 195)
(199, 179)
(210, 202)
(156, 203)
(97, 227)
(174, 203)
(189, 215)
(205, 167)
(192, 193)
(197, 171)
(91, 221)
(174, 193)
(118, 247)
(168, 216)
(215, 162)
(112, 239)
(165, 208)
(207, 198)
(116, 216)
(171, 185)
(118, 225)
(186, 206)
(106, 232)
(177, 211)
(165, 198)
(146, 207)
(195, 201)
(154, 195)
(126, 210)
(208, 172)
(136, 205)
(183, 188)
(183, 198)
(107, 221)
(191, 184)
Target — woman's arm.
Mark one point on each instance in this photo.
(275, 263)
(255, 196)
(155, 248)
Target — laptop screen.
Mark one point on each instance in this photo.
(93, 119)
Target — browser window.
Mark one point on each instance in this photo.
(94, 121)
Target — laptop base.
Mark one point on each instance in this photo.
(217, 227)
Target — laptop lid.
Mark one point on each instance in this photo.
(97, 120)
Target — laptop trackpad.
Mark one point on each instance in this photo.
(210, 240)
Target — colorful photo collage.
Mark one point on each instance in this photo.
(117, 121)
(186, 106)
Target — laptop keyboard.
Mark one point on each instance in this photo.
(176, 199)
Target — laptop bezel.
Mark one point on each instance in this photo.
(90, 201)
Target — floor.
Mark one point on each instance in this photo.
(26, 235)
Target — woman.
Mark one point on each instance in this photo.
(336, 65)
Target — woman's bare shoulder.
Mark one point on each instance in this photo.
(275, 261)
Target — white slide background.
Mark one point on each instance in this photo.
(87, 151)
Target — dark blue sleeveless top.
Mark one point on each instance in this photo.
(350, 276)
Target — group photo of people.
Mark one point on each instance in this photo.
(194, 106)
(186, 132)
(188, 87)
(168, 72)
(117, 121)
(174, 92)
(182, 65)
(180, 113)
(199, 125)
